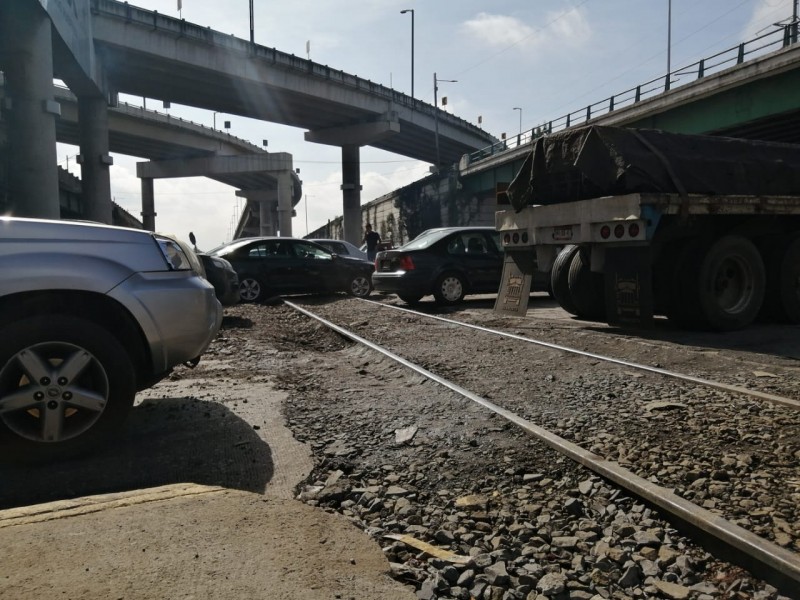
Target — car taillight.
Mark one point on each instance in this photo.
(406, 264)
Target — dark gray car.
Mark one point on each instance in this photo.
(448, 262)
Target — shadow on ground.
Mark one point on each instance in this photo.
(164, 441)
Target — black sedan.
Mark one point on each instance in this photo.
(276, 266)
(448, 262)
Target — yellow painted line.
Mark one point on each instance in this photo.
(62, 509)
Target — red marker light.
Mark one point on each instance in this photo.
(619, 231)
(605, 232)
(633, 229)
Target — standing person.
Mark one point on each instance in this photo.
(371, 239)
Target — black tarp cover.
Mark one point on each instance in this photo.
(595, 161)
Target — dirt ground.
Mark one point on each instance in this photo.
(195, 500)
(198, 497)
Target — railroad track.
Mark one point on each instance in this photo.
(775, 563)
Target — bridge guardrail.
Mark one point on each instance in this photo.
(758, 46)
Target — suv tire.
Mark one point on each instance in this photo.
(66, 384)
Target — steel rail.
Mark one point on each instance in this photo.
(735, 389)
(769, 555)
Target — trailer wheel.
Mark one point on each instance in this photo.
(586, 288)
(731, 282)
(559, 278)
(782, 298)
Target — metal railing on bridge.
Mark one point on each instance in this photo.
(737, 55)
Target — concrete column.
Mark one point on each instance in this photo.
(285, 203)
(148, 204)
(351, 194)
(266, 215)
(266, 202)
(27, 59)
(274, 217)
(95, 158)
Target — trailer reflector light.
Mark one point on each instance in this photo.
(507, 239)
(619, 231)
(515, 237)
(605, 232)
(633, 229)
(524, 237)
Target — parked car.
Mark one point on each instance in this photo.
(448, 262)
(89, 315)
(221, 274)
(280, 266)
(342, 248)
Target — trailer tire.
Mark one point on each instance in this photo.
(559, 278)
(731, 283)
(586, 287)
(782, 298)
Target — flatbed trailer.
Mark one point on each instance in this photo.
(712, 261)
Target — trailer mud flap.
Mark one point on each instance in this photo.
(515, 285)
(628, 286)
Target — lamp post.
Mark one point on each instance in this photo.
(669, 42)
(306, 203)
(436, 113)
(252, 30)
(402, 12)
(520, 120)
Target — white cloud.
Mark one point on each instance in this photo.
(765, 14)
(501, 31)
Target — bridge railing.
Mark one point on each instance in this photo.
(763, 44)
(180, 28)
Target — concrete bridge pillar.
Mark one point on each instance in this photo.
(95, 159)
(351, 194)
(267, 211)
(285, 209)
(26, 56)
(266, 221)
(148, 204)
(266, 202)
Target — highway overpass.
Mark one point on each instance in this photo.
(147, 54)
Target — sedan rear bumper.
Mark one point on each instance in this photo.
(408, 283)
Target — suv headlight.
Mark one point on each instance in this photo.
(174, 255)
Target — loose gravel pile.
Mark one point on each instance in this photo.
(468, 506)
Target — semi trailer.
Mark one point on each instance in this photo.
(630, 223)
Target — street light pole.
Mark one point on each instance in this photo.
(520, 119)
(306, 215)
(669, 41)
(436, 114)
(252, 33)
(402, 12)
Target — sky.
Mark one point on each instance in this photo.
(517, 64)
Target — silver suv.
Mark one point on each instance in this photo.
(89, 315)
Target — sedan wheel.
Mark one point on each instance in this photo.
(360, 286)
(450, 289)
(250, 289)
(65, 385)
